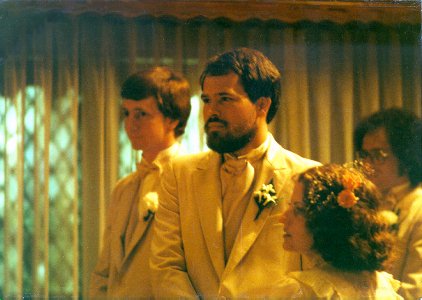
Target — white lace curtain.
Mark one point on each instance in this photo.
(60, 146)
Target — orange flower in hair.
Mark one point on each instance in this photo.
(347, 197)
(350, 183)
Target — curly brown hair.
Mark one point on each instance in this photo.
(350, 237)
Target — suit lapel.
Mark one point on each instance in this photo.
(272, 171)
(210, 207)
(141, 227)
(140, 230)
(250, 229)
(122, 220)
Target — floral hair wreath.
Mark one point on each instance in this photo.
(320, 183)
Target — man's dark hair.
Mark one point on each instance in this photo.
(170, 90)
(404, 134)
(258, 75)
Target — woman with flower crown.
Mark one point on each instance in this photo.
(333, 220)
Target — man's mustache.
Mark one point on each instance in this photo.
(214, 120)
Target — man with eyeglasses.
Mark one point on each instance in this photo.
(391, 142)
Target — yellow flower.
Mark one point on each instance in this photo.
(347, 198)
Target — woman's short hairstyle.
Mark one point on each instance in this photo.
(348, 234)
(404, 134)
(258, 75)
(170, 90)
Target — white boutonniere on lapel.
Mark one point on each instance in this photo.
(265, 197)
(148, 206)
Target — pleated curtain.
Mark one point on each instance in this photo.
(61, 139)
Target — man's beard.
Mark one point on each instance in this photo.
(229, 142)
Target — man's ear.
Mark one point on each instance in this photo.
(263, 105)
(172, 124)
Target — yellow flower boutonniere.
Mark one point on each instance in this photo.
(148, 206)
(265, 197)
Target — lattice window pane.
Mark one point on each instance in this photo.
(38, 196)
(8, 215)
(128, 157)
(63, 194)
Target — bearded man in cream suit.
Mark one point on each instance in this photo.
(212, 239)
(156, 106)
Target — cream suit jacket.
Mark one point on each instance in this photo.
(118, 274)
(187, 249)
(408, 265)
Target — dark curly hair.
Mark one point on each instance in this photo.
(258, 75)
(404, 134)
(169, 88)
(351, 237)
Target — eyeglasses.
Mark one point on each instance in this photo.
(376, 156)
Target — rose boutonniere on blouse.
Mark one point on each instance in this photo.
(391, 218)
(148, 206)
(265, 197)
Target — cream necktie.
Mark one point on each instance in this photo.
(145, 169)
(237, 177)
